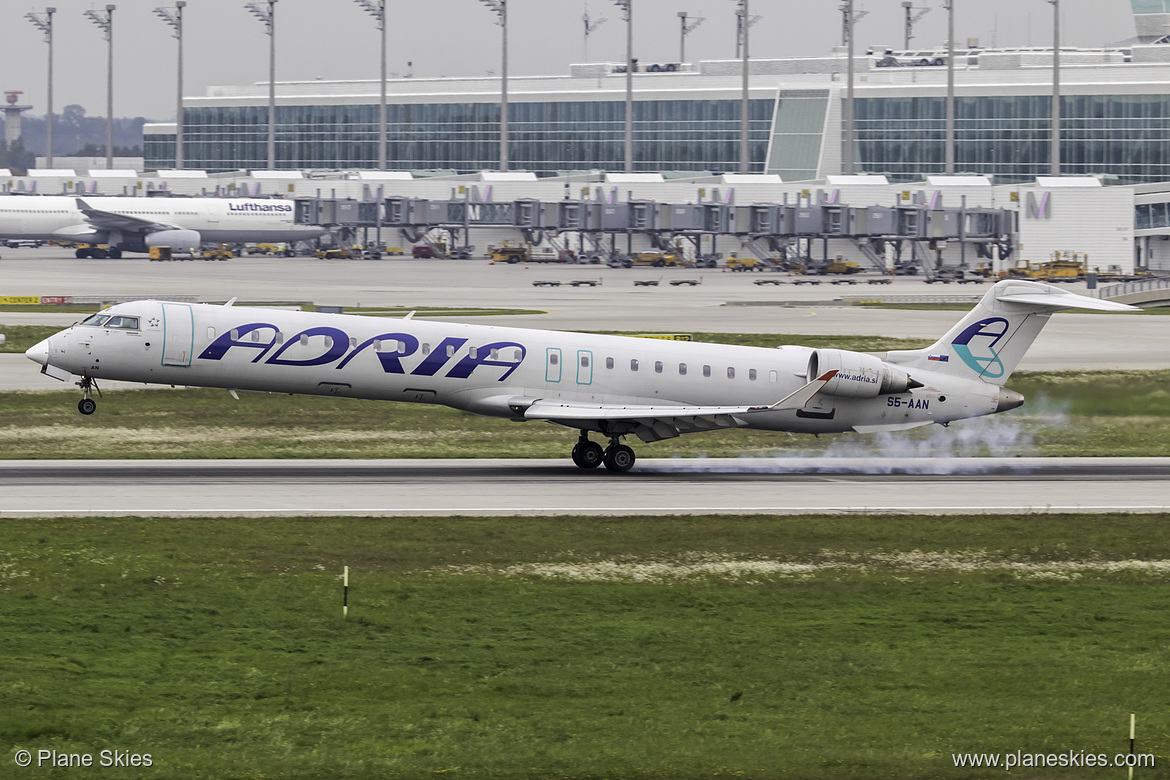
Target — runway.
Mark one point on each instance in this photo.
(386, 488)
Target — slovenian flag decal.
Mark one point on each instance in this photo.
(939, 358)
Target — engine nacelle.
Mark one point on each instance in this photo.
(858, 375)
(177, 240)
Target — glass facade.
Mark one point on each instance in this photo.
(1127, 136)
(798, 133)
(686, 135)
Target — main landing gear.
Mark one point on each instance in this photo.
(87, 405)
(589, 455)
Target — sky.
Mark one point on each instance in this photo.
(335, 39)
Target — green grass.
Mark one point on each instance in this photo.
(217, 645)
(1122, 413)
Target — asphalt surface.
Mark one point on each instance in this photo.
(556, 487)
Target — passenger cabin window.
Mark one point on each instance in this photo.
(633, 364)
(730, 372)
(584, 361)
(609, 362)
(752, 374)
(657, 366)
(426, 348)
(473, 353)
(706, 370)
(682, 369)
(122, 322)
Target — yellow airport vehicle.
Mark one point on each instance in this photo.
(333, 254)
(509, 253)
(656, 259)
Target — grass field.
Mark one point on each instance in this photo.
(763, 647)
(1102, 413)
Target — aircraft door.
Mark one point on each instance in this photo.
(552, 365)
(584, 367)
(178, 334)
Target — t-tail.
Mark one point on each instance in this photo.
(991, 340)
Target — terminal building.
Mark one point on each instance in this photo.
(1115, 116)
(1111, 204)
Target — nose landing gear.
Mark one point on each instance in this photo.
(87, 405)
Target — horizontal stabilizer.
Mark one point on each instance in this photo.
(1062, 299)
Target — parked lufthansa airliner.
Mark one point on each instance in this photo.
(614, 386)
(136, 224)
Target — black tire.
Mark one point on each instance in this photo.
(86, 406)
(619, 458)
(588, 455)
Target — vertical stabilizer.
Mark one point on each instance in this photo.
(991, 340)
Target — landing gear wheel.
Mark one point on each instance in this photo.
(86, 406)
(619, 458)
(588, 454)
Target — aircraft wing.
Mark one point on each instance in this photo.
(107, 220)
(665, 420)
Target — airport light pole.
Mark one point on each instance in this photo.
(949, 152)
(501, 8)
(745, 22)
(106, 25)
(1055, 142)
(627, 7)
(268, 16)
(174, 17)
(377, 9)
(590, 26)
(685, 29)
(911, 18)
(742, 22)
(44, 23)
(849, 129)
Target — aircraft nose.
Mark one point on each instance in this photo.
(39, 352)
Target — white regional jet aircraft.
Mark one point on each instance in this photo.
(612, 385)
(136, 224)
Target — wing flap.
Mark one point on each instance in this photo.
(569, 411)
(107, 220)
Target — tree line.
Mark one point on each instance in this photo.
(74, 135)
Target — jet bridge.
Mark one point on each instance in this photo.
(907, 235)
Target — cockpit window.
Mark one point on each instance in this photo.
(95, 319)
(123, 322)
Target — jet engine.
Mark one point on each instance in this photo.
(858, 375)
(177, 240)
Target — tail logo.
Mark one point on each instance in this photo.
(976, 346)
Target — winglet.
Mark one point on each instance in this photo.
(801, 397)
